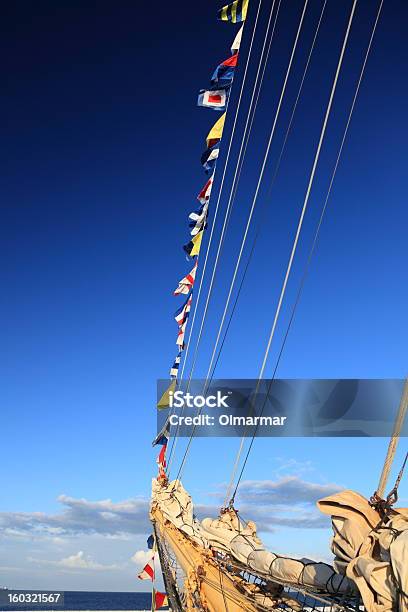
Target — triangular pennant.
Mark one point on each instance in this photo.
(164, 401)
(163, 435)
(192, 248)
(237, 41)
(187, 283)
(215, 134)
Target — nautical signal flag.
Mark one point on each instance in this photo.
(181, 334)
(150, 542)
(209, 158)
(224, 73)
(175, 367)
(237, 41)
(192, 248)
(147, 572)
(163, 435)
(187, 283)
(198, 219)
(161, 459)
(160, 600)
(216, 99)
(234, 12)
(215, 134)
(164, 401)
(181, 314)
(205, 193)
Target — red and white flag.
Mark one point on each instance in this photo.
(147, 572)
(187, 283)
(160, 600)
(205, 193)
(216, 99)
(181, 334)
(182, 313)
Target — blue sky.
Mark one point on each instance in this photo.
(101, 146)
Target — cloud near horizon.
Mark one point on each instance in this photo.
(286, 502)
(80, 517)
(76, 562)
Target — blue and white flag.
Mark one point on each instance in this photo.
(175, 367)
(209, 158)
(163, 436)
(198, 219)
(181, 315)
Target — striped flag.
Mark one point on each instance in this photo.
(216, 99)
(237, 41)
(181, 314)
(215, 134)
(209, 158)
(205, 193)
(187, 283)
(192, 248)
(175, 367)
(147, 572)
(224, 73)
(181, 333)
(234, 12)
(198, 219)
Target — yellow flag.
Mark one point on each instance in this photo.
(164, 401)
(215, 133)
(196, 244)
(234, 12)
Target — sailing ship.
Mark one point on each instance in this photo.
(220, 564)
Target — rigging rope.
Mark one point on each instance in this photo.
(228, 209)
(174, 443)
(256, 194)
(318, 227)
(399, 422)
(259, 224)
(221, 184)
(255, 198)
(246, 133)
(277, 167)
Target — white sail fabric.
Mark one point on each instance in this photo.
(241, 541)
(371, 551)
(230, 535)
(176, 506)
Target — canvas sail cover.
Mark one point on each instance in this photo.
(227, 533)
(371, 551)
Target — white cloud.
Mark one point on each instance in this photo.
(286, 490)
(76, 562)
(79, 517)
(141, 557)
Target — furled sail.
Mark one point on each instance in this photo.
(230, 535)
(372, 550)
